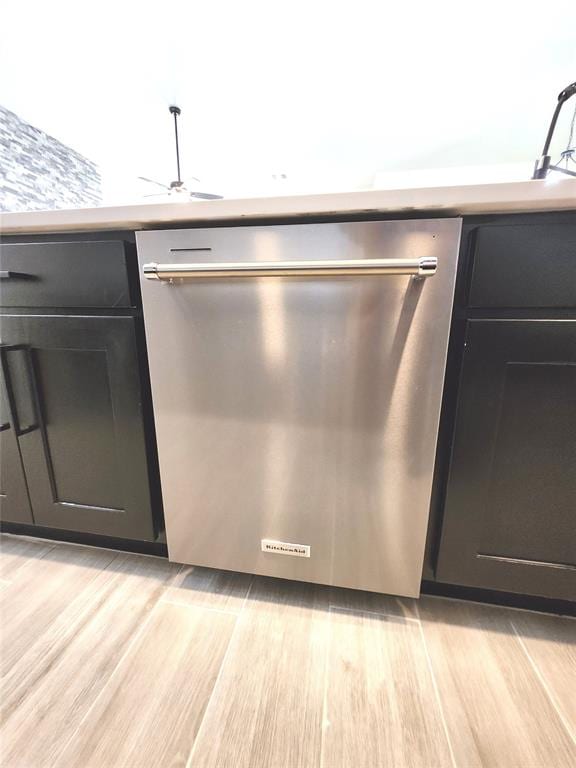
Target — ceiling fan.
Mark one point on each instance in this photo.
(178, 187)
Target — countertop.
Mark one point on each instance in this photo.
(512, 197)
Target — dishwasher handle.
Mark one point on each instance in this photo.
(423, 267)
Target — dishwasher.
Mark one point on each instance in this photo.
(297, 374)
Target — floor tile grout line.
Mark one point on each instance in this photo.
(196, 606)
(219, 675)
(550, 695)
(172, 581)
(178, 573)
(324, 721)
(334, 606)
(436, 690)
(131, 644)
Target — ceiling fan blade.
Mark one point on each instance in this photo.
(205, 196)
(158, 194)
(159, 184)
(191, 178)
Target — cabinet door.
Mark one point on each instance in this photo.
(14, 501)
(510, 512)
(77, 398)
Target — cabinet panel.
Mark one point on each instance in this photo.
(79, 420)
(84, 451)
(14, 501)
(524, 266)
(533, 474)
(70, 274)
(510, 512)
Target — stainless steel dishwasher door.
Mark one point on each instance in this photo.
(297, 416)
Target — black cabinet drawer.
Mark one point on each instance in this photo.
(524, 266)
(73, 274)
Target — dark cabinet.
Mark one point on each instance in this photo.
(65, 274)
(82, 443)
(14, 501)
(76, 423)
(529, 265)
(510, 507)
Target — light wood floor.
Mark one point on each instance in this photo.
(111, 659)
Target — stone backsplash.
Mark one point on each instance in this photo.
(38, 172)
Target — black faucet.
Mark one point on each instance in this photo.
(543, 164)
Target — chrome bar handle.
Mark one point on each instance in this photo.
(7, 274)
(423, 267)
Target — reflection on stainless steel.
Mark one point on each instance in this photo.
(273, 312)
(301, 410)
(424, 267)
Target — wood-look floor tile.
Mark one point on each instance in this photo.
(496, 709)
(209, 588)
(372, 602)
(28, 607)
(151, 709)
(109, 662)
(551, 644)
(15, 552)
(41, 653)
(381, 705)
(55, 684)
(266, 709)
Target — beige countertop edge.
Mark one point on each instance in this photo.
(514, 197)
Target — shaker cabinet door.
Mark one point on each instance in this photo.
(77, 398)
(14, 501)
(510, 512)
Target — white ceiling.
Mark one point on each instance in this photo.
(321, 90)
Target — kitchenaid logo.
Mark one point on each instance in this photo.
(284, 548)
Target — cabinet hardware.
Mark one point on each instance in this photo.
(423, 267)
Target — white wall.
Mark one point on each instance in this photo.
(328, 92)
